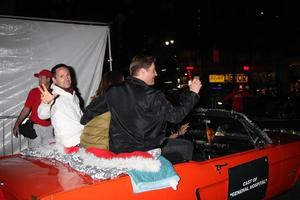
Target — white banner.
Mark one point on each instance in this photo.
(27, 46)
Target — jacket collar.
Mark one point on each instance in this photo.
(60, 91)
(136, 80)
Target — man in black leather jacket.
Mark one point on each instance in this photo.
(139, 113)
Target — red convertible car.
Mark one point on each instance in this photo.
(233, 159)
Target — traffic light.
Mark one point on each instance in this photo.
(189, 70)
(246, 68)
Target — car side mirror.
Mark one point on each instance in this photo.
(260, 144)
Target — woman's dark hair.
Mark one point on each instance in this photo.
(108, 79)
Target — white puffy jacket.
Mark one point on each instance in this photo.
(65, 114)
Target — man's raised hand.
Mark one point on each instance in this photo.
(46, 96)
(195, 85)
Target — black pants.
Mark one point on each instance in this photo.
(178, 150)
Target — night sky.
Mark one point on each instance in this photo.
(143, 26)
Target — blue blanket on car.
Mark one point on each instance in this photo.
(146, 181)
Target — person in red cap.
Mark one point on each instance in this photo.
(43, 128)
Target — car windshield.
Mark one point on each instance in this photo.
(217, 134)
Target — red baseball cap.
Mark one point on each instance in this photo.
(44, 72)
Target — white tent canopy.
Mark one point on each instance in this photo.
(29, 45)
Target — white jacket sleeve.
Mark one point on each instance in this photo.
(44, 111)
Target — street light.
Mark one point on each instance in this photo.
(169, 42)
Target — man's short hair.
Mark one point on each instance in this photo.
(53, 70)
(140, 61)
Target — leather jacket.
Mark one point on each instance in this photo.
(139, 114)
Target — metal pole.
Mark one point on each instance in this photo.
(20, 143)
(3, 138)
(109, 49)
(12, 142)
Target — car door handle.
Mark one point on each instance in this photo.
(219, 167)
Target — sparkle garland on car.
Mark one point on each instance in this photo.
(97, 168)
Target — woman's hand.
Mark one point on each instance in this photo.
(181, 131)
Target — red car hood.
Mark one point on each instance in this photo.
(30, 178)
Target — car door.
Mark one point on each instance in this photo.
(238, 168)
(285, 152)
